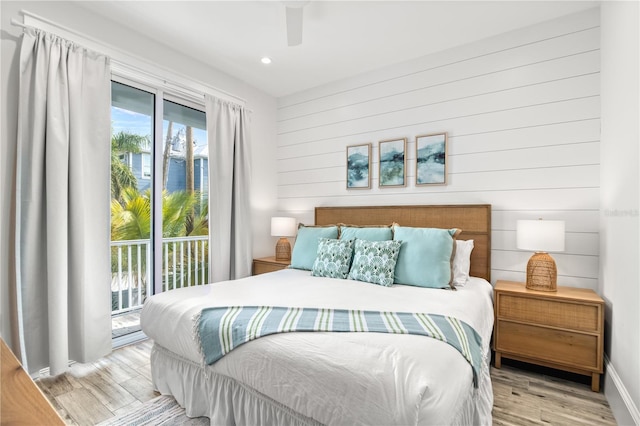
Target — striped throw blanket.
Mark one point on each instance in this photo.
(220, 330)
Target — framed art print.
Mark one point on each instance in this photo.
(359, 166)
(393, 163)
(431, 159)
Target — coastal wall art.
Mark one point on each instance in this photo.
(359, 166)
(431, 159)
(393, 163)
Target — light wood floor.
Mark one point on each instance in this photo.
(91, 393)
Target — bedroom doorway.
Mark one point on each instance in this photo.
(159, 200)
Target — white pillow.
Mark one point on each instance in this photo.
(462, 262)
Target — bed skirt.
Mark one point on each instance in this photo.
(202, 392)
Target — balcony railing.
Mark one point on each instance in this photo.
(185, 263)
(130, 276)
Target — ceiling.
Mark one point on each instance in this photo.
(340, 38)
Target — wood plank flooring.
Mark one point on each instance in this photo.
(525, 396)
(90, 393)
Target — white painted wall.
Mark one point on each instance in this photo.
(73, 16)
(522, 111)
(619, 205)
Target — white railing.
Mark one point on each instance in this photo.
(180, 251)
(130, 276)
(185, 263)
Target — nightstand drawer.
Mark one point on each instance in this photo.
(263, 268)
(549, 312)
(268, 264)
(563, 347)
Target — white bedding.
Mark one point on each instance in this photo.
(333, 378)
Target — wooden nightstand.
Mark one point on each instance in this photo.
(562, 329)
(268, 264)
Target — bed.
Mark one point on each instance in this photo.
(333, 377)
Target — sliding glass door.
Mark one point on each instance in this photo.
(132, 140)
(159, 193)
(185, 226)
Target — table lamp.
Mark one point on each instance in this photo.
(283, 227)
(541, 236)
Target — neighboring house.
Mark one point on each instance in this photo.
(140, 164)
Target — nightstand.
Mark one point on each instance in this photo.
(562, 329)
(268, 264)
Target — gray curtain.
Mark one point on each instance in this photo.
(62, 203)
(230, 232)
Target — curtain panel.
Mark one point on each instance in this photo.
(230, 230)
(62, 203)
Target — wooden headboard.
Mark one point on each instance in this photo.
(473, 219)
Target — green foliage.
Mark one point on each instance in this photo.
(183, 214)
(131, 216)
(122, 176)
(200, 222)
(123, 142)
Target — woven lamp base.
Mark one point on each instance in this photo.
(283, 249)
(542, 273)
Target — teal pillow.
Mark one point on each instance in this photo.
(333, 259)
(377, 233)
(375, 261)
(305, 248)
(426, 255)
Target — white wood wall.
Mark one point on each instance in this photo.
(522, 112)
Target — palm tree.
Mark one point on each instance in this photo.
(166, 155)
(200, 221)
(131, 220)
(131, 215)
(189, 174)
(121, 174)
(177, 207)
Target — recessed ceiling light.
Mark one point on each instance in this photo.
(266, 60)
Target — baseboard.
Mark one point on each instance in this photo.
(623, 407)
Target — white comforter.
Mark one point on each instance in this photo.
(336, 378)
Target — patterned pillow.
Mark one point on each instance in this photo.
(333, 259)
(375, 261)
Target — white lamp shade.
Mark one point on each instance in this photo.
(540, 235)
(283, 226)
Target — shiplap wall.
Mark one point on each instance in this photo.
(522, 113)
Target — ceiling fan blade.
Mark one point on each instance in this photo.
(294, 25)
